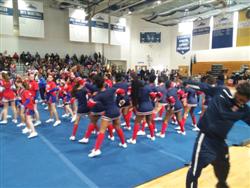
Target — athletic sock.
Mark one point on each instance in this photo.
(181, 125)
(128, 117)
(136, 128)
(99, 140)
(75, 129)
(91, 127)
(121, 135)
(164, 127)
(110, 129)
(161, 111)
(152, 130)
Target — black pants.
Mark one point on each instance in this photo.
(209, 151)
(42, 93)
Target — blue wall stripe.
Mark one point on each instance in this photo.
(6, 11)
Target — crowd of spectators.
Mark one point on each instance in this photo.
(85, 64)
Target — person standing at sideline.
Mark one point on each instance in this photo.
(210, 146)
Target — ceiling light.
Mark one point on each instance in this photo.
(158, 2)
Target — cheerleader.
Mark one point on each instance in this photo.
(112, 114)
(51, 99)
(174, 107)
(42, 87)
(190, 107)
(71, 83)
(34, 89)
(8, 96)
(152, 78)
(60, 86)
(27, 104)
(160, 105)
(81, 94)
(66, 91)
(20, 110)
(126, 109)
(1, 95)
(95, 112)
(142, 95)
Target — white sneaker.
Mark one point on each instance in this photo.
(111, 138)
(9, 116)
(73, 119)
(58, 122)
(43, 104)
(26, 130)
(174, 122)
(95, 153)
(46, 108)
(156, 130)
(156, 119)
(196, 129)
(72, 138)
(160, 135)
(141, 133)
(127, 128)
(177, 128)
(14, 120)
(183, 133)
(123, 145)
(123, 124)
(159, 119)
(131, 141)
(146, 125)
(84, 140)
(65, 115)
(151, 137)
(199, 112)
(4, 122)
(49, 120)
(33, 134)
(94, 132)
(37, 123)
(21, 125)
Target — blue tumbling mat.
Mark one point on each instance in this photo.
(52, 160)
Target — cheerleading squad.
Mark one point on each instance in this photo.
(98, 97)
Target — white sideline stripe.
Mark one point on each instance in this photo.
(198, 152)
(68, 163)
(229, 95)
(166, 153)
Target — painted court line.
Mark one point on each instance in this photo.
(68, 163)
(166, 153)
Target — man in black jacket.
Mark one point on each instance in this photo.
(210, 147)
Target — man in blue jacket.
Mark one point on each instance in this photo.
(210, 147)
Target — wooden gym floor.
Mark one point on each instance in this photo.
(239, 176)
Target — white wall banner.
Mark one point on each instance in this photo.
(6, 17)
(201, 34)
(223, 31)
(100, 28)
(78, 25)
(31, 20)
(223, 21)
(117, 30)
